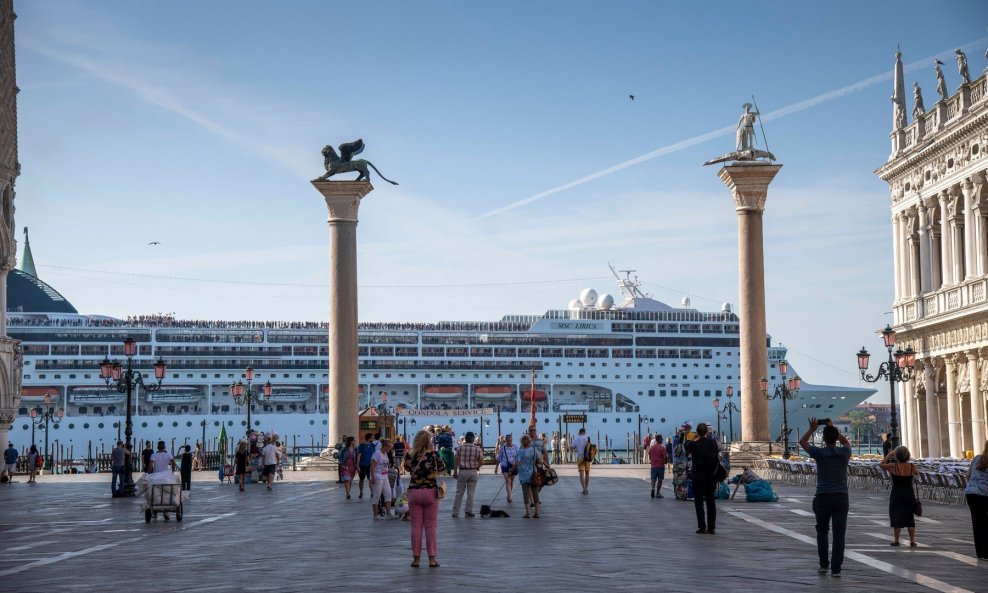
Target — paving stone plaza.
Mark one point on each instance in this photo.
(69, 535)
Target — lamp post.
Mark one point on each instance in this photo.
(784, 391)
(245, 395)
(124, 380)
(499, 423)
(41, 418)
(717, 413)
(898, 368)
(730, 408)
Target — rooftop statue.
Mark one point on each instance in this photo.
(745, 140)
(918, 108)
(962, 67)
(941, 83)
(344, 163)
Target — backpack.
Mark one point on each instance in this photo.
(590, 452)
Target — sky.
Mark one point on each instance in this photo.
(524, 166)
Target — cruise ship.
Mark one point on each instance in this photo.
(614, 365)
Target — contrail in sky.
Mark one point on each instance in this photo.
(682, 144)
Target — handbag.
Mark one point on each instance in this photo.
(917, 503)
(537, 478)
(440, 489)
(549, 476)
(720, 472)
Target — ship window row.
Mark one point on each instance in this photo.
(528, 340)
(687, 342)
(631, 315)
(108, 337)
(685, 393)
(265, 365)
(243, 337)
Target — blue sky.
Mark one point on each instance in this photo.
(199, 124)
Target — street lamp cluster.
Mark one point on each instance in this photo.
(727, 412)
(786, 390)
(123, 379)
(40, 418)
(897, 369)
(245, 394)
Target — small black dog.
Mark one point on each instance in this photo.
(486, 511)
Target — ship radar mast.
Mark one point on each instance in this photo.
(629, 286)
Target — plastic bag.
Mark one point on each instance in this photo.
(723, 491)
(760, 491)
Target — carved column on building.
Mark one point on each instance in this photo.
(946, 243)
(898, 271)
(977, 401)
(954, 434)
(970, 229)
(981, 211)
(956, 215)
(925, 278)
(933, 232)
(915, 266)
(932, 408)
(905, 405)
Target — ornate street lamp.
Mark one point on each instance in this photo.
(246, 395)
(718, 414)
(786, 390)
(730, 408)
(41, 417)
(897, 369)
(124, 380)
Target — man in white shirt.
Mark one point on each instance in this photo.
(162, 461)
(269, 457)
(583, 465)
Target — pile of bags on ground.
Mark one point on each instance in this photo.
(756, 489)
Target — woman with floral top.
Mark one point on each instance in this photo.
(423, 465)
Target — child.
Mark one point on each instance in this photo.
(379, 480)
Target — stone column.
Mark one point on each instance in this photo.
(980, 184)
(748, 182)
(953, 408)
(956, 235)
(970, 229)
(977, 400)
(946, 243)
(343, 201)
(925, 279)
(933, 232)
(898, 270)
(905, 420)
(932, 409)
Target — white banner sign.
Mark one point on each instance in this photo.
(450, 413)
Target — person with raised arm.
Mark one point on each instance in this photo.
(830, 504)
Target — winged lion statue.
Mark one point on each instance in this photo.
(345, 163)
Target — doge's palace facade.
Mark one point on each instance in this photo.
(937, 177)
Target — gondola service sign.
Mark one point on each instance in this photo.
(449, 413)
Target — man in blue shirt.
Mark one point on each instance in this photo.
(830, 505)
(9, 462)
(365, 453)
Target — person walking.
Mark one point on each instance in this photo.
(185, 468)
(269, 459)
(365, 453)
(886, 444)
(348, 464)
(423, 466)
(161, 460)
(197, 458)
(399, 452)
(830, 504)
(146, 457)
(977, 500)
(524, 466)
(564, 449)
(657, 460)
(9, 462)
(703, 452)
(240, 464)
(902, 498)
(468, 459)
(505, 459)
(118, 457)
(33, 465)
(380, 487)
(580, 443)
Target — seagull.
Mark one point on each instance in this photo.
(632, 97)
(154, 243)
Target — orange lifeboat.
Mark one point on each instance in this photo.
(41, 392)
(493, 392)
(526, 395)
(442, 391)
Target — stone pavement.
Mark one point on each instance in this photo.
(67, 534)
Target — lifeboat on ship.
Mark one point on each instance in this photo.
(539, 396)
(98, 394)
(494, 392)
(442, 391)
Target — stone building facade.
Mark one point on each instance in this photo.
(937, 177)
(11, 362)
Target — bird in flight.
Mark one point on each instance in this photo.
(632, 97)
(154, 243)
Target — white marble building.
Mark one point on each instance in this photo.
(937, 177)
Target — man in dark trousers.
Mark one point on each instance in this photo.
(146, 456)
(830, 504)
(185, 469)
(704, 457)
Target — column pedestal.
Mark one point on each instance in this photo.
(343, 202)
(748, 182)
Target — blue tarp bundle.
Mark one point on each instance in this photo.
(760, 491)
